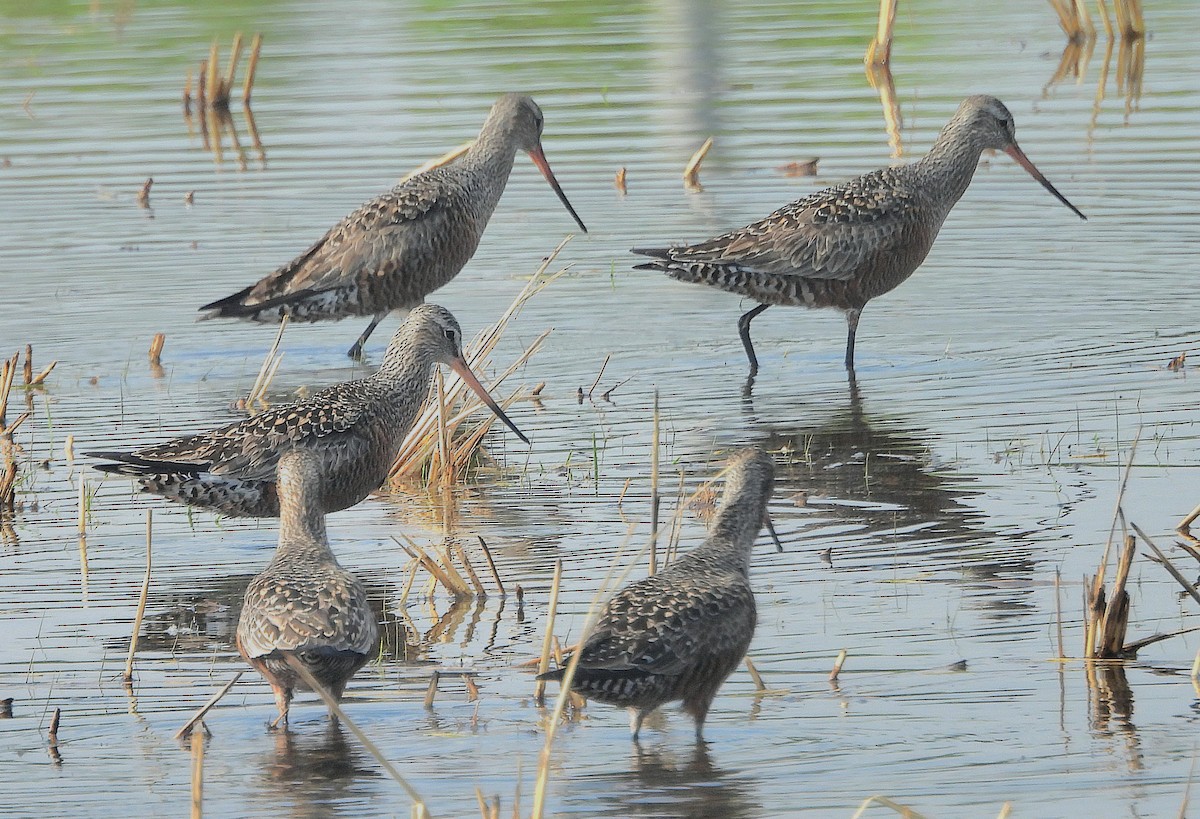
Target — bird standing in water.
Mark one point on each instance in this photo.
(678, 634)
(304, 605)
(401, 246)
(843, 246)
(356, 428)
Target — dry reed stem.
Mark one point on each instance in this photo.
(480, 591)
(1195, 675)
(619, 181)
(446, 467)
(141, 608)
(654, 499)
(879, 52)
(413, 565)
(444, 159)
(754, 675)
(83, 558)
(1118, 515)
(1184, 525)
(7, 374)
(599, 375)
(156, 348)
(442, 574)
(1168, 565)
(235, 54)
(1005, 811)
(487, 553)
(1114, 620)
(880, 799)
(251, 67)
(691, 171)
(336, 710)
(420, 441)
(1058, 612)
(197, 774)
(204, 709)
(431, 691)
(837, 665)
(539, 688)
(38, 379)
(266, 372)
(215, 95)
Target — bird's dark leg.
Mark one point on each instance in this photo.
(744, 331)
(356, 351)
(852, 325)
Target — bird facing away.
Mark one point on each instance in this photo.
(678, 634)
(304, 604)
(355, 427)
(843, 246)
(401, 246)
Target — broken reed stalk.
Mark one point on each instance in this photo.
(754, 675)
(266, 373)
(251, 67)
(879, 799)
(336, 710)
(204, 709)
(1109, 615)
(446, 467)
(691, 171)
(487, 553)
(197, 774)
(654, 499)
(837, 665)
(419, 445)
(1167, 564)
(539, 688)
(1184, 525)
(446, 575)
(480, 591)
(879, 52)
(141, 608)
(156, 348)
(83, 558)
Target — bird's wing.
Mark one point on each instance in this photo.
(831, 234)
(250, 448)
(372, 240)
(659, 626)
(293, 616)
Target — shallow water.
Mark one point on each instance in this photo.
(999, 391)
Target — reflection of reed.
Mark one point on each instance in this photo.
(1110, 702)
(215, 123)
(880, 78)
(1081, 42)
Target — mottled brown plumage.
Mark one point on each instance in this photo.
(355, 427)
(678, 634)
(401, 246)
(843, 246)
(304, 604)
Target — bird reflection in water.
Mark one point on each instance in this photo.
(314, 772)
(876, 481)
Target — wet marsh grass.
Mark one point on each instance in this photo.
(441, 446)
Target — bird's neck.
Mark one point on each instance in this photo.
(733, 531)
(950, 163)
(405, 366)
(302, 532)
(489, 162)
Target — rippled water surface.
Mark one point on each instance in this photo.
(925, 514)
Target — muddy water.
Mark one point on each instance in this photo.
(925, 514)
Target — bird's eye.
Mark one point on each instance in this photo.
(449, 334)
